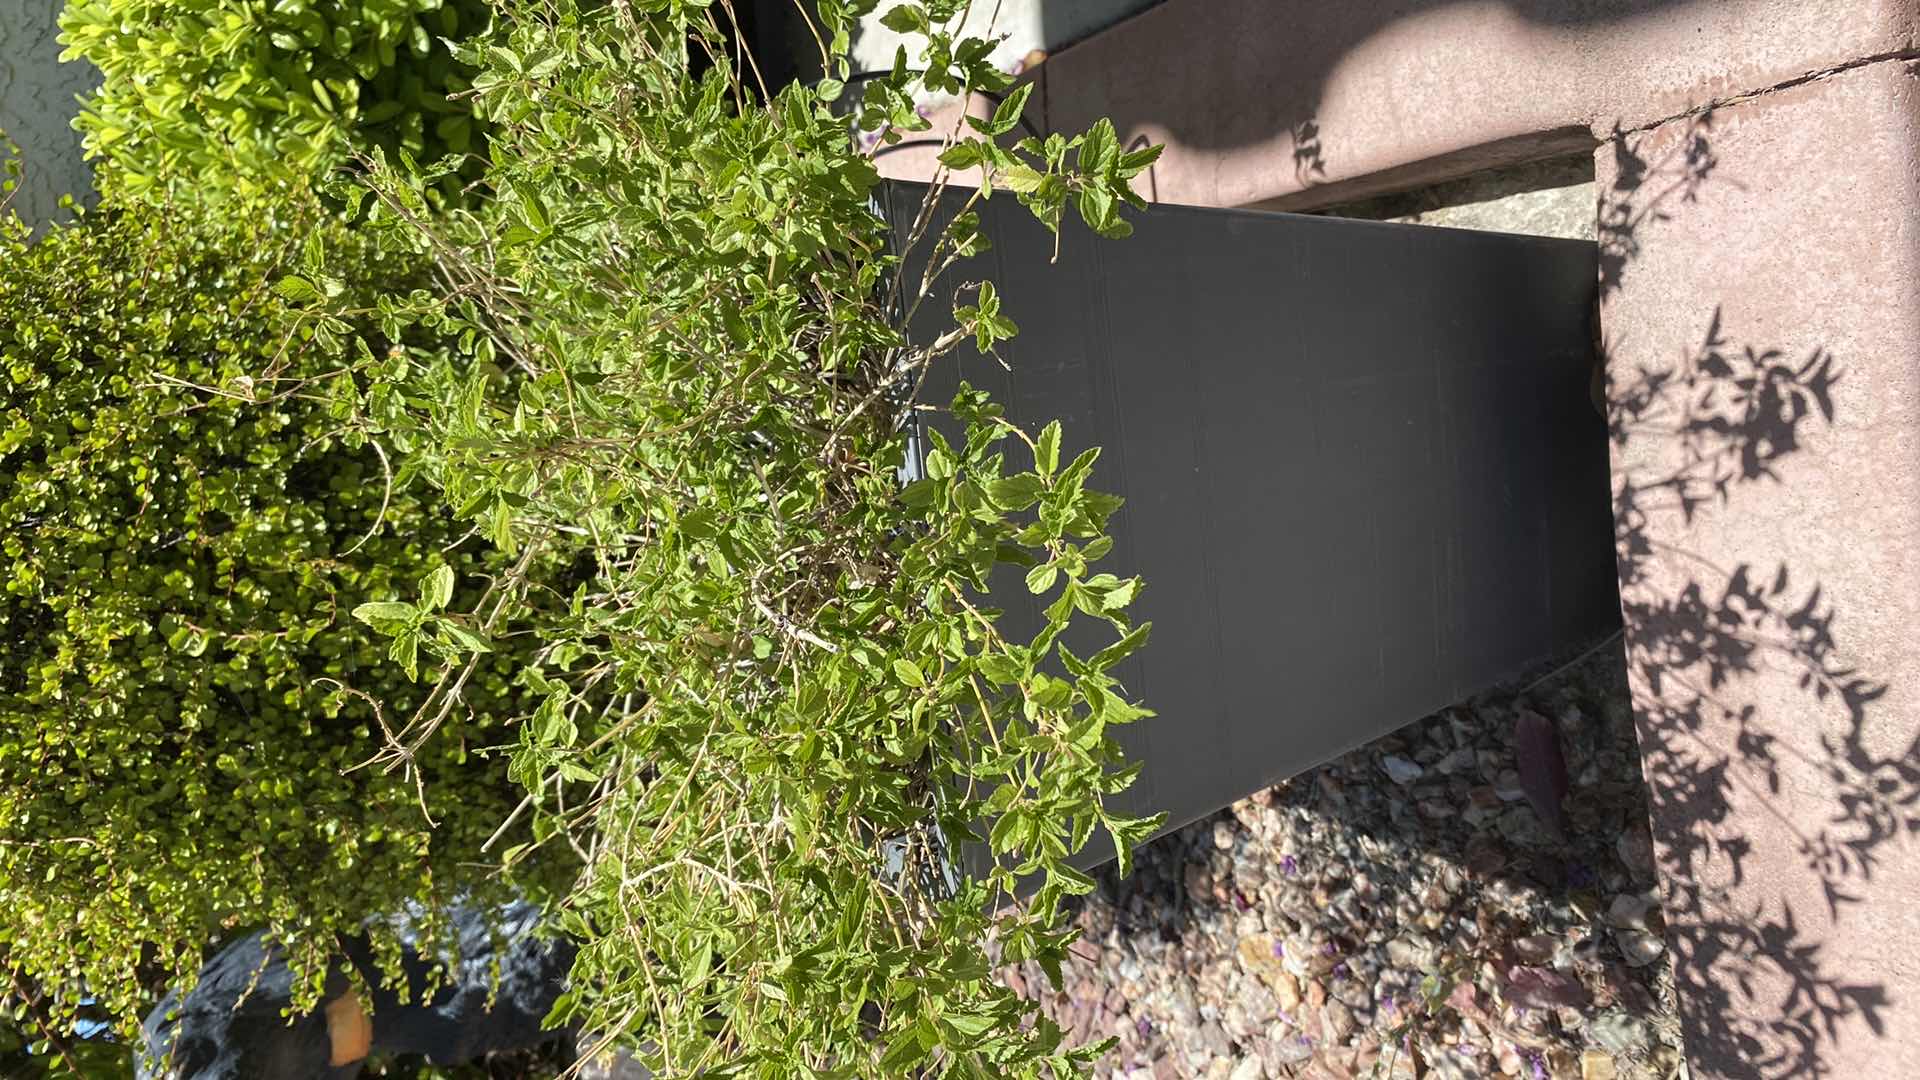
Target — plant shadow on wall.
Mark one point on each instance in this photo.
(1692, 438)
(1644, 192)
(1309, 157)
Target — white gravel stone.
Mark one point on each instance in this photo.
(1401, 770)
(1639, 947)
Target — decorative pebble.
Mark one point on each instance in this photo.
(1223, 837)
(1312, 922)
(1629, 912)
(1639, 947)
(1620, 1033)
(1596, 1065)
(1635, 848)
(1402, 771)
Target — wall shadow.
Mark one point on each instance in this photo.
(1289, 66)
(1760, 995)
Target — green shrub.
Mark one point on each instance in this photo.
(679, 363)
(649, 436)
(188, 516)
(237, 96)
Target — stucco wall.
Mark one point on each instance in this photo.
(37, 106)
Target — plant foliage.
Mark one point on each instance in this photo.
(608, 459)
(780, 705)
(189, 518)
(237, 97)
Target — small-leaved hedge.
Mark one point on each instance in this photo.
(188, 517)
(220, 98)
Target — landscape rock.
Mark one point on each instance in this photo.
(1635, 848)
(1620, 1033)
(1337, 1022)
(1454, 1064)
(1507, 787)
(1286, 992)
(1305, 929)
(1629, 912)
(1400, 770)
(1639, 947)
(1543, 768)
(1223, 836)
(1543, 988)
(1536, 948)
(1353, 994)
(1215, 1039)
(1596, 1065)
(1417, 954)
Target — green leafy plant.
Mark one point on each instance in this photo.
(190, 512)
(32, 1046)
(604, 462)
(237, 97)
(778, 706)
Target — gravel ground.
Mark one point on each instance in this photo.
(1403, 911)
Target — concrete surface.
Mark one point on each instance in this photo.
(37, 108)
(1554, 197)
(1760, 288)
